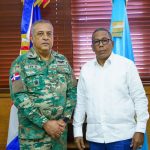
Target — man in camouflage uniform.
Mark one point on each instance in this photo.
(43, 89)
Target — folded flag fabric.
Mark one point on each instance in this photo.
(30, 14)
(12, 140)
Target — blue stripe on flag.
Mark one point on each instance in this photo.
(14, 144)
(26, 16)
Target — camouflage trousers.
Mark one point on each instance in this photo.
(47, 143)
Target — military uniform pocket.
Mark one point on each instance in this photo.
(35, 81)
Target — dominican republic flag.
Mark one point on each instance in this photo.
(121, 36)
(30, 14)
(15, 76)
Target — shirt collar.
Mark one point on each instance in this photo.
(111, 57)
(108, 61)
(32, 54)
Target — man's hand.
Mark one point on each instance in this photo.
(54, 128)
(62, 124)
(137, 140)
(80, 143)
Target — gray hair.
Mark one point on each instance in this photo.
(40, 22)
(101, 29)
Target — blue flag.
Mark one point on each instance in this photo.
(120, 25)
(121, 36)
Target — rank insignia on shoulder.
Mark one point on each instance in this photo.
(15, 76)
(60, 61)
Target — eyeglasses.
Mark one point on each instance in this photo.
(103, 41)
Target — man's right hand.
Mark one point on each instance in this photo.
(80, 143)
(53, 128)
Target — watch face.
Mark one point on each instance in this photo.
(65, 119)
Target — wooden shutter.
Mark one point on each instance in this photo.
(88, 15)
(57, 11)
(10, 17)
(139, 20)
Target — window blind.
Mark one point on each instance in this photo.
(88, 15)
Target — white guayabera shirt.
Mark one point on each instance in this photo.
(112, 97)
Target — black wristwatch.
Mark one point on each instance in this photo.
(65, 119)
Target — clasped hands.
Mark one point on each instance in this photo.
(54, 128)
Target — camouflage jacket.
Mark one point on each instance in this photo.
(41, 91)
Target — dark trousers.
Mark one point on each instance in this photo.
(120, 145)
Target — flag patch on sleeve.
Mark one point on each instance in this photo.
(15, 76)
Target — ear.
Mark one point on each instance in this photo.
(31, 38)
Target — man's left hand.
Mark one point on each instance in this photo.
(137, 140)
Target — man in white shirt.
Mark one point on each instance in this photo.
(111, 95)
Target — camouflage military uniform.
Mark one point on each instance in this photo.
(42, 91)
